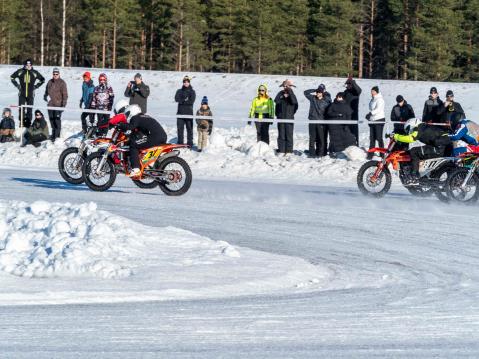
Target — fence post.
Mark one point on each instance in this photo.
(21, 124)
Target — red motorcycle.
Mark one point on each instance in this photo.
(374, 177)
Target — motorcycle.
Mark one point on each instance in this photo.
(374, 177)
(463, 183)
(160, 166)
(71, 159)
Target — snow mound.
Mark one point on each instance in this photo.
(354, 153)
(260, 149)
(114, 259)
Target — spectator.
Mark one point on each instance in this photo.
(204, 126)
(432, 107)
(376, 114)
(28, 81)
(87, 95)
(102, 100)
(262, 107)
(185, 97)
(450, 109)
(351, 96)
(37, 133)
(286, 107)
(7, 126)
(400, 113)
(326, 94)
(340, 137)
(138, 92)
(318, 135)
(56, 89)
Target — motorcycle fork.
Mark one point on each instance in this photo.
(379, 170)
(470, 173)
(102, 163)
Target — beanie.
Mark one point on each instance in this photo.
(399, 99)
(204, 101)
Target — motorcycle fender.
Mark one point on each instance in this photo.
(378, 149)
(168, 155)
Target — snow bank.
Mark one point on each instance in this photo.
(44, 245)
(232, 153)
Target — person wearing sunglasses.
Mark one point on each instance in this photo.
(185, 97)
(451, 109)
(29, 80)
(103, 98)
(56, 90)
(262, 107)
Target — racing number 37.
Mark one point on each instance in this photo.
(151, 154)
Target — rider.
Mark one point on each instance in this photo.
(119, 116)
(463, 130)
(435, 139)
(145, 132)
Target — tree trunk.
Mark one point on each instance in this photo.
(405, 40)
(114, 36)
(143, 49)
(64, 18)
(371, 37)
(42, 34)
(103, 59)
(259, 54)
(361, 51)
(70, 46)
(151, 46)
(179, 59)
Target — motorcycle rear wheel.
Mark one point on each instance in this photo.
(180, 173)
(374, 189)
(98, 181)
(469, 194)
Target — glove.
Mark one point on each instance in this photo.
(81, 103)
(45, 97)
(368, 116)
(122, 126)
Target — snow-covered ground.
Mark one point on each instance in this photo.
(265, 256)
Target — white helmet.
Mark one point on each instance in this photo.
(120, 106)
(131, 111)
(411, 124)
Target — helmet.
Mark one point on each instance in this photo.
(102, 77)
(131, 111)
(120, 106)
(456, 118)
(411, 124)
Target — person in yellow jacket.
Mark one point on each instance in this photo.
(262, 108)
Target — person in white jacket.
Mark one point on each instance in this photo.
(376, 114)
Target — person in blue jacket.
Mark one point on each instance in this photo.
(85, 101)
(462, 132)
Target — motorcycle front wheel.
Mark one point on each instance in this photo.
(370, 187)
(70, 165)
(467, 194)
(98, 179)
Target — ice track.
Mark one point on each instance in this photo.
(404, 277)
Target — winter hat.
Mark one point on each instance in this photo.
(56, 70)
(38, 112)
(340, 94)
(6, 109)
(87, 74)
(102, 76)
(449, 93)
(187, 79)
(321, 88)
(399, 99)
(138, 76)
(204, 101)
(375, 88)
(28, 62)
(433, 90)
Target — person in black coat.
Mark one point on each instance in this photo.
(451, 109)
(28, 81)
(432, 106)
(351, 96)
(185, 97)
(318, 135)
(138, 92)
(7, 126)
(340, 136)
(286, 107)
(400, 113)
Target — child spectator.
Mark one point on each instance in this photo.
(204, 126)
(38, 131)
(7, 126)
